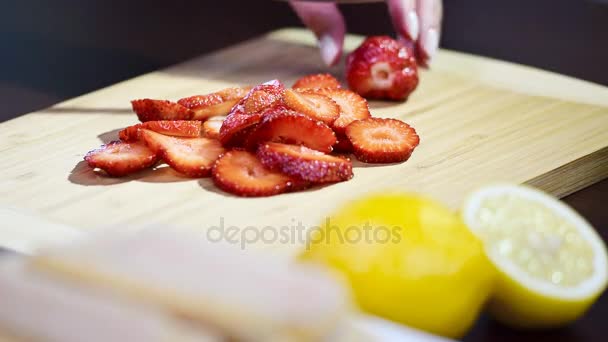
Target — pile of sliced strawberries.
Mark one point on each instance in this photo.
(259, 141)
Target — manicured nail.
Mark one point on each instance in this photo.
(411, 25)
(430, 43)
(329, 49)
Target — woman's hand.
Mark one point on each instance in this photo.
(415, 21)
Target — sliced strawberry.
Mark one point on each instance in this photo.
(119, 158)
(377, 140)
(291, 127)
(343, 145)
(382, 68)
(352, 107)
(211, 127)
(260, 100)
(241, 173)
(317, 81)
(214, 104)
(305, 163)
(317, 106)
(260, 97)
(177, 128)
(152, 110)
(193, 157)
(130, 134)
(236, 128)
(273, 86)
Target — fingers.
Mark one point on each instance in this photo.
(327, 23)
(405, 18)
(418, 23)
(430, 13)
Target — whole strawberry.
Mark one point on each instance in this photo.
(382, 68)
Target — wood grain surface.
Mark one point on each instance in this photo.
(480, 121)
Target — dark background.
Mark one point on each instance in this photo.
(54, 50)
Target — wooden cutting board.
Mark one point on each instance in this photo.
(480, 121)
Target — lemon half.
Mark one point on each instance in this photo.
(551, 263)
(419, 265)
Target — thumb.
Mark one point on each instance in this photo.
(327, 23)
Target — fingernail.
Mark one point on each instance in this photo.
(411, 25)
(430, 43)
(329, 49)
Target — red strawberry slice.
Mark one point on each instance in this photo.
(382, 68)
(211, 127)
(152, 110)
(317, 106)
(305, 163)
(237, 127)
(260, 97)
(130, 134)
(177, 128)
(317, 81)
(119, 158)
(214, 104)
(343, 145)
(241, 173)
(193, 157)
(377, 140)
(287, 126)
(352, 107)
(260, 100)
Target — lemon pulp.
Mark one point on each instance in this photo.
(538, 242)
(551, 263)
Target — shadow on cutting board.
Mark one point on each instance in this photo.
(83, 174)
(207, 185)
(109, 136)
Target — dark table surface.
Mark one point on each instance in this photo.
(54, 50)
